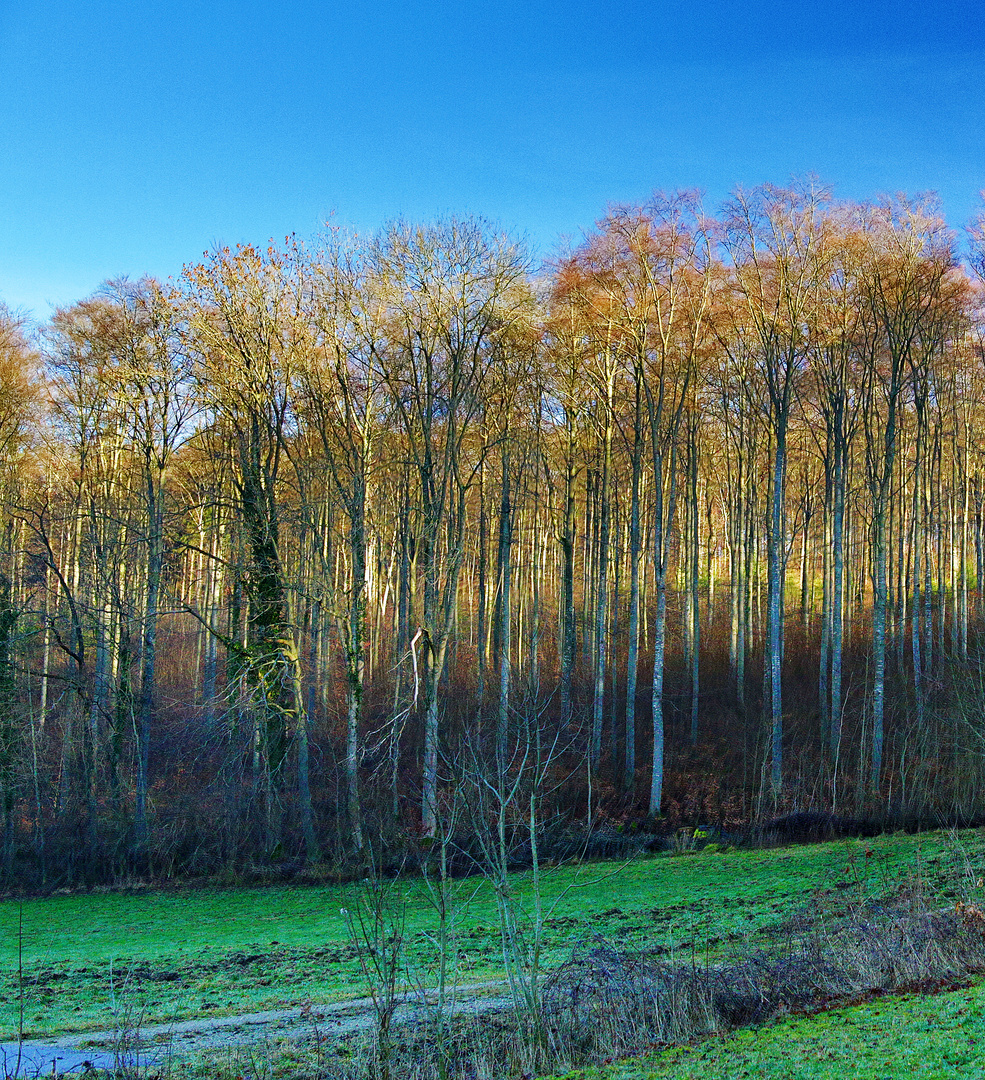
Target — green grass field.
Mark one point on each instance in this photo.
(167, 955)
(934, 1037)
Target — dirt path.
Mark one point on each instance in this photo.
(155, 1044)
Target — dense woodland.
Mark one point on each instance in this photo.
(684, 527)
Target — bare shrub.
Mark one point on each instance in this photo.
(604, 1002)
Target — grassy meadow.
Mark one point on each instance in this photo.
(176, 954)
(924, 1037)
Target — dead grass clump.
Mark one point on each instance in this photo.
(604, 1003)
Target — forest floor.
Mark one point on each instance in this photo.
(212, 968)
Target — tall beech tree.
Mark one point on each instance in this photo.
(834, 391)
(776, 239)
(908, 258)
(651, 268)
(153, 387)
(343, 407)
(82, 533)
(249, 334)
(566, 341)
(18, 399)
(452, 291)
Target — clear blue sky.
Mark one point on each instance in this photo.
(133, 136)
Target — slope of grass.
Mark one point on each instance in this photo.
(939, 1036)
(175, 954)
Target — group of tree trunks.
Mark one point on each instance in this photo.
(288, 544)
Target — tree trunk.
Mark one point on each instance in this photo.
(776, 563)
(635, 546)
(148, 654)
(505, 615)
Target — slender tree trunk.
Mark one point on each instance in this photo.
(775, 556)
(148, 653)
(355, 656)
(838, 596)
(569, 634)
(824, 666)
(917, 608)
(602, 593)
(635, 545)
(878, 648)
(663, 525)
(483, 642)
(694, 604)
(505, 615)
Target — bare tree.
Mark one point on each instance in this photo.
(908, 257)
(249, 335)
(18, 399)
(452, 291)
(342, 406)
(152, 385)
(776, 241)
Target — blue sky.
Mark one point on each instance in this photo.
(134, 136)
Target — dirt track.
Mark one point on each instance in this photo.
(154, 1044)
